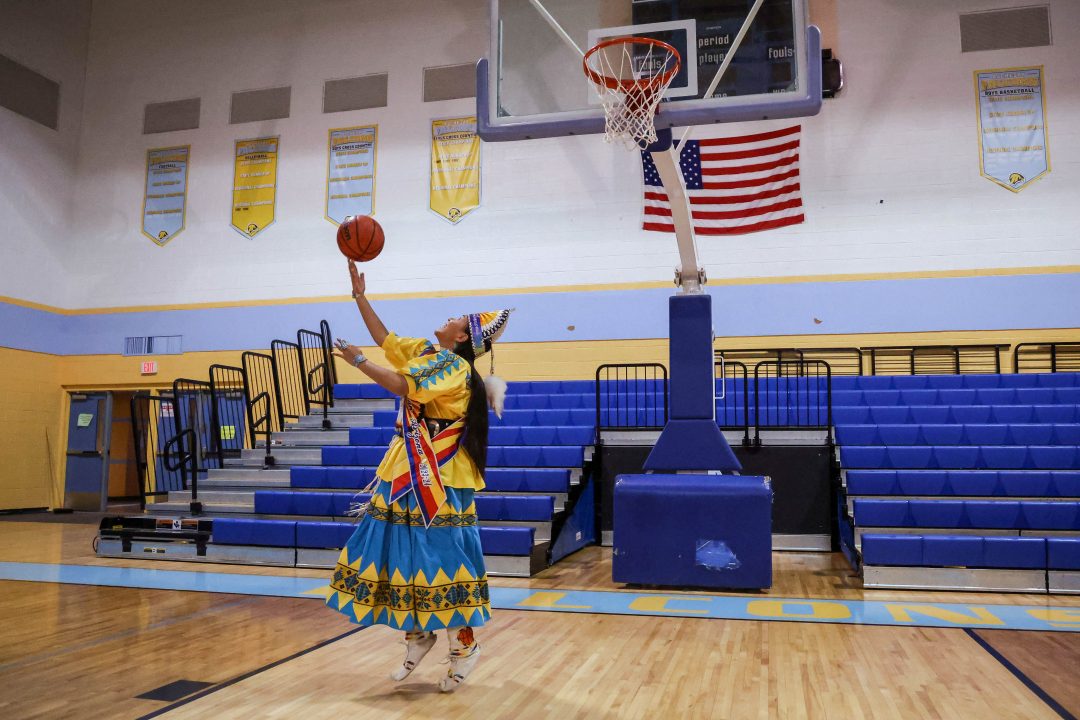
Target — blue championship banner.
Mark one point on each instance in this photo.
(350, 172)
(1013, 148)
(165, 193)
(455, 168)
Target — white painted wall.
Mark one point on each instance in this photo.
(38, 164)
(890, 169)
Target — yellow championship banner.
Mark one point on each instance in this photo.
(254, 185)
(455, 168)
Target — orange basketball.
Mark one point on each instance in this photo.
(360, 238)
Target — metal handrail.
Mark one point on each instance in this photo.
(747, 389)
(1055, 355)
(648, 374)
(797, 402)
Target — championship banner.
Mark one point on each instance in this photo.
(350, 172)
(1013, 148)
(254, 185)
(455, 167)
(165, 193)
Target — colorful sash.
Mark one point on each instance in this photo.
(424, 455)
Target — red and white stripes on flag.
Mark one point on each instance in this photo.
(736, 185)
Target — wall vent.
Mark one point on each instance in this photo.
(357, 93)
(449, 82)
(29, 93)
(153, 345)
(169, 116)
(254, 105)
(1007, 28)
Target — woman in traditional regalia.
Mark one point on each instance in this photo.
(415, 562)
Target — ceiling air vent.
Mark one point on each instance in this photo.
(1002, 29)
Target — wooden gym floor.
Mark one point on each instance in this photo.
(89, 652)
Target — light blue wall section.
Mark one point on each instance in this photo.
(1007, 302)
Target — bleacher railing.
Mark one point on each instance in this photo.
(915, 359)
(935, 359)
(193, 418)
(228, 406)
(1046, 357)
(262, 398)
(842, 360)
(631, 396)
(152, 432)
(289, 369)
(315, 368)
(792, 395)
(733, 396)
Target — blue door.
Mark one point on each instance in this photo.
(86, 480)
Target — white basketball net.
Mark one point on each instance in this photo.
(640, 72)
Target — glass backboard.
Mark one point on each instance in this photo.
(531, 84)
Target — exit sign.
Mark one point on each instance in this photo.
(149, 367)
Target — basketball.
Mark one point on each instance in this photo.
(360, 238)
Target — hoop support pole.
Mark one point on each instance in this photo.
(690, 274)
(724, 65)
(557, 27)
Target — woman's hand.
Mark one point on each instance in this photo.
(359, 284)
(348, 353)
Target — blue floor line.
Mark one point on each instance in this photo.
(653, 604)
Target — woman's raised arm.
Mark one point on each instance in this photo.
(371, 319)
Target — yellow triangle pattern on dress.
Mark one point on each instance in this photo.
(440, 578)
(398, 578)
(421, 579)
(463, 574)
(370, 572)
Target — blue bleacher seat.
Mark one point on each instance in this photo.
(527, 480)
(929, 414)
(977, 434)
(978, 514)
(889, 414)
(331, 478)
(332, 535)
(872, 482)
(972, 482)
(945, 382)
(990, 514)
(515, 508)
(850, 415)
(956, 397)
(967, 414)
(1050, 515)
(371, 435)
(507, 540)
(264, 533)
(296, 502)
(362, 455)
(954, 551)
(948, 551)
(1063, 553)
(936, 513)
(892, 550)
(882, 513)
(1066, 483)
(1011, 413)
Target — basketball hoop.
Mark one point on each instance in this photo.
(630, 75)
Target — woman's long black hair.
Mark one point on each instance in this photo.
(476, 416)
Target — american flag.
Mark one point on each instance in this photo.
(736, 185)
